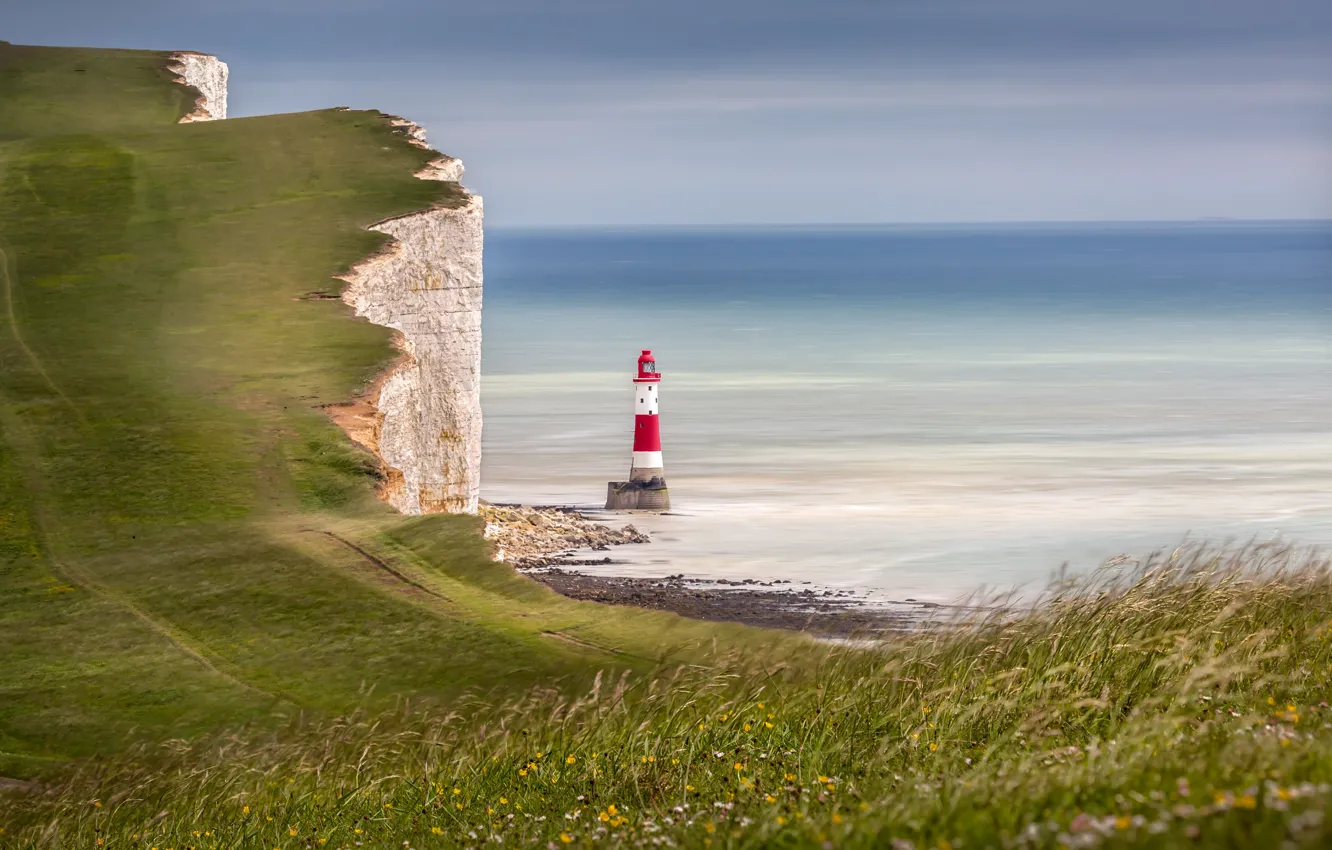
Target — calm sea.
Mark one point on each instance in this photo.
(920, 412)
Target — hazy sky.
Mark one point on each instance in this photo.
(572, 112)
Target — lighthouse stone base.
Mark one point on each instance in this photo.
(638, 495)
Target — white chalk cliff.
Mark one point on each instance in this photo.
(426, 419)
(423, 418)
(208, 74)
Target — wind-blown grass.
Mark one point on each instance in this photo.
(1178, 700)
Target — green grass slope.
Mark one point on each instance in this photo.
(52, 91)
(186, 541)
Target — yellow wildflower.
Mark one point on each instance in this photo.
(566, 838)
(767, 725)
(291, 831)
(571, 759)
(790, 777)
(746, 727)
(434, 830)
(770, 798)
(1123, 822)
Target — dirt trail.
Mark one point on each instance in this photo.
(381, 564)
(16, 434)
(11, 316)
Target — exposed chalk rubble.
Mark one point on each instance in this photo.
(208, 74)
(532, 537)
(424, 418)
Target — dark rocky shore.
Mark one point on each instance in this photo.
(544, 542)
(771, 605)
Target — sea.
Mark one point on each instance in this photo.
(921, 412)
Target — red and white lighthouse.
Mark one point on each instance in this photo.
(646, 488)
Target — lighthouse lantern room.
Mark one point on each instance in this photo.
(646, 488)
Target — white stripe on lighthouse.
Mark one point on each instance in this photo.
(646, 460)
(645, 400)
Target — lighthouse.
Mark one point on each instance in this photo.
(646, 488)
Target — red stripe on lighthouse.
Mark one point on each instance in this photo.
(647, 433)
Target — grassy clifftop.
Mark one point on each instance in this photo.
(185, 539)
(53, 91)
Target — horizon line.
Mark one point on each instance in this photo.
(1046, 223)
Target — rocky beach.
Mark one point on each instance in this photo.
(546, 542)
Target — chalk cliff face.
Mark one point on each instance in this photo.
(424, 420)
(208, 74)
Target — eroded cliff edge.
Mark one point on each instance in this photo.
(423, 419)
(208, 75)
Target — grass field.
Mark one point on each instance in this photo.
(1181, 704)
(186, 539)
(215, 637)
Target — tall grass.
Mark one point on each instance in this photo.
(1175, 701)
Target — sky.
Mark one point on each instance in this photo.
(575, 113)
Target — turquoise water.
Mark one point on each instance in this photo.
(922, 412)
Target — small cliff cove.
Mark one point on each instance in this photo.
(423, 418)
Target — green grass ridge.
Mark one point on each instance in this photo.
(168, 482)
(215, 636)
